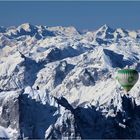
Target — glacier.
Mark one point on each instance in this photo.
(60, 83)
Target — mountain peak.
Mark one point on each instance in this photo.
(106, 28)
(2, 29)
(26, 26)
(121, 30)
(105, 32)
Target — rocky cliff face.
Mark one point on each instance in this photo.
(26, 117)
(9, 116)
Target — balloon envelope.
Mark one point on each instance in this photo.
(127, 78)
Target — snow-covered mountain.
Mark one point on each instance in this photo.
(57, 82)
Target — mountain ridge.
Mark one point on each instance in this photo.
(56, 82)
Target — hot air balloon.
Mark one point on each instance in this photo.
(127, 78)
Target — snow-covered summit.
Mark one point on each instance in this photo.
(105, 28)
(26, 26)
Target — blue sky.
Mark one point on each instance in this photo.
(82, 15)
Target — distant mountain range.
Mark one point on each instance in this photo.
(58, 83)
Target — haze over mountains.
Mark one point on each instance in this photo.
(58, 82)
